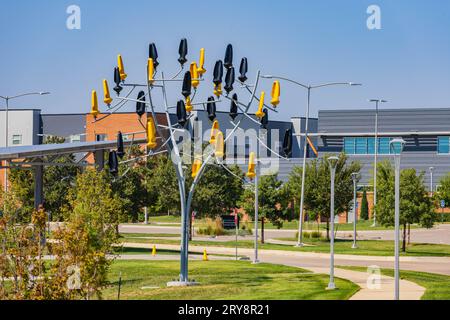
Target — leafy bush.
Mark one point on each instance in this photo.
(310, 235)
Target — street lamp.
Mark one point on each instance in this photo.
(431, 179)
(7, 98)
(355, 214)
(396, 147)
(332, 161)
(377, 102)
(305, 144)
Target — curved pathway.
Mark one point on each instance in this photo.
(380, 290)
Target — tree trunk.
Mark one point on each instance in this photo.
(404, 238)
(262, 230)
(409, 233)
(328, 229)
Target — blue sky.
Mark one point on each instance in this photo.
(406, 62)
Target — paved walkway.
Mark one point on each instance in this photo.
(408, 290)
(440, 234)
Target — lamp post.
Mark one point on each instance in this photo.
(396, 147)
(355, 214)
(431, 179)
(377, 102)
(256, 260)
(332, 161)
(305, 143)
(7, 98)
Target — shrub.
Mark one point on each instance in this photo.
(212, 228)
(364, 215)
(310, 235)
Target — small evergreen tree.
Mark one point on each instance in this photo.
(364, 207)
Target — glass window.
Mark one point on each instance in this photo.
(17, 139)
(349, 145)
(101, 137)
(383, 146)
(443, 145)
(361, 145)
(75, 138)
(371, 145)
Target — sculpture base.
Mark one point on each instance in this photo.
(182, 283)
(331, 286)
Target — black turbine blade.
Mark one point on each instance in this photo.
(228, 62)
(218, 72)
(113, 163)
(229, 80)
(187, 85)
(153, 54)
(120, 149)
(140, 105)
(211, 108)
(265, 119)
(181, 113)
(287, 143)
(243, 70)
(183, 50)
(234, 107)
(117, 80)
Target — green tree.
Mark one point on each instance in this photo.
(317, 187)
(58, 179)
(87, 238)
(444, 190)
(163, 182)
(364, 215)
(415, 204)
(218, 191)
(272, 198)
(21, 184)
(130, 185)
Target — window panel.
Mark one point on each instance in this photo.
(361, 145)
(371, 145)
(443, 145)
(383, 146)
(349, 145)
(17, 139)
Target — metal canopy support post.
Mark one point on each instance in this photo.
(38, 186)
(99, 156)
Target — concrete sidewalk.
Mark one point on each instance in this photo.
(385, 290)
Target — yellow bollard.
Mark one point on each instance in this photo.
(205, 256)
(154, 251)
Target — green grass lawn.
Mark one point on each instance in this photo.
(437, 286)
(222, 280)
(366, 247)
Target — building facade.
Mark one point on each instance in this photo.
(426, 132)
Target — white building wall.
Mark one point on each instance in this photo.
(21, 123)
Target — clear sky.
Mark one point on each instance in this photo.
(406, 62)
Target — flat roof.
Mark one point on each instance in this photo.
(42, 150)
(382, 109)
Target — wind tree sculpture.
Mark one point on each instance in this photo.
(190, 82)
